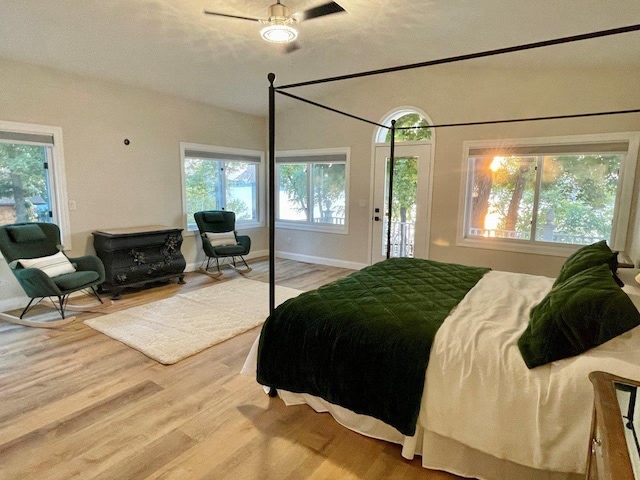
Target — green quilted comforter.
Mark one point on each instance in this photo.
(363, 341)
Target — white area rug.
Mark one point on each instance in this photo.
(175, 328)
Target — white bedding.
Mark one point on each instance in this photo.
(480, 398)
(480, 393)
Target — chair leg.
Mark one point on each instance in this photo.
(26, 309)
(60, 306)
(247, 268)
(95, 294)
(233, 264)
(61, 302)
(93, 307)
(206, 271)
(36, 323)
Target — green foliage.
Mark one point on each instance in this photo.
(405, 187)
(238, 207)
(417, 133)
(328, 190)
(513, 171)
(203, 185)
(206, 181)
(22, 176)
(293, 180)
(577, 194)
(581, 191)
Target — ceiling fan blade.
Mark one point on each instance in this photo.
(319, 11)
(231, 16)
(291, 47)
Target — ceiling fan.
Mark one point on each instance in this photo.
(279, 26)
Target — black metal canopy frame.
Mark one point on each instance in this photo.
(487, 53)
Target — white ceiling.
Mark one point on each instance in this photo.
(171, 46)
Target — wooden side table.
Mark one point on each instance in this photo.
(139, 255)
(614, 452)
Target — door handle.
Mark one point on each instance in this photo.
(377, 219)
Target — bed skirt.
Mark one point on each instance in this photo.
(437, 452)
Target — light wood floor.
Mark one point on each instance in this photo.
(76, 404)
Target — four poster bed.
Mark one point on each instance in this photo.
(506, 393)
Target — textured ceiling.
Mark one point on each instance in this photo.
(170, 46)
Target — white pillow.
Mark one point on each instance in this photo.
(52, 265)
(221, 239)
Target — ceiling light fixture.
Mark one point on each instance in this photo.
(278, 31)
(278, 26)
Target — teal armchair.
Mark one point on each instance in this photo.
(220, 241)
(29, 241)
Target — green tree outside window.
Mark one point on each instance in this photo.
(23, 183)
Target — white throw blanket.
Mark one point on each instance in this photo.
(480, 392)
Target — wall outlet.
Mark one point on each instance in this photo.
(288, 240)
(72, 205)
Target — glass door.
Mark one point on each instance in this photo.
(409, 224)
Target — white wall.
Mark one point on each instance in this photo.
(113, 185)
(118, 186)
(452, 94)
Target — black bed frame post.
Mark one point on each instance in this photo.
(272, 193)
(391, 168)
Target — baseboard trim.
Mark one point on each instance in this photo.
(331, 262)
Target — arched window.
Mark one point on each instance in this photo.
(406, 118)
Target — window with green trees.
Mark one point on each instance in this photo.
(312, 188)
(559, 194)
(24, 183)
(32, 176)
(217, 178)
(415, 123)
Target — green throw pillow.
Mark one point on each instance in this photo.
(26, 233)
(587, 257)
(584, 311)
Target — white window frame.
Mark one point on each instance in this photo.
(56, 171)
(240, 224)
(308, 225)
(622, 209)
(380, 136)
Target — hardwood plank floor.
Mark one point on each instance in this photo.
(77, 404)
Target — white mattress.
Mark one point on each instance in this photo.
(484, 414)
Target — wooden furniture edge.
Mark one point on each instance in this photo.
(605, 407)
